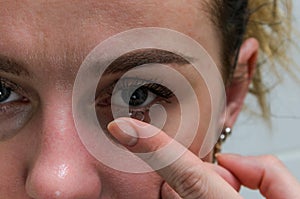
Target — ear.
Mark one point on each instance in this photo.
(239, 87)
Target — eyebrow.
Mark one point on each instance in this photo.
(12, 66)
(145, 56)
(120, 65)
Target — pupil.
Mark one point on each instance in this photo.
(4, 93)
(137, 98)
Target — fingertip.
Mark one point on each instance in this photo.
(228, 159)
(221, 156)
(137, 135)
(123, 131)
(111, 125)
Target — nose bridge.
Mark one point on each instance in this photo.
(57, 119)
(62, 167)
(58, 129)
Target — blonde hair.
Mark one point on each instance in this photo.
(270, 23)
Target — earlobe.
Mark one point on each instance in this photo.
(242, 78)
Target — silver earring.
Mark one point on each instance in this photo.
(224, 135)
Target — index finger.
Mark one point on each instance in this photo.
(187, 175)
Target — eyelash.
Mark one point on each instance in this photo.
(152, 85)
(9, 84)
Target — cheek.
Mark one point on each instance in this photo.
(210, 107)
(13, 168)
(201, 133)
(126, 185)
(13, 119)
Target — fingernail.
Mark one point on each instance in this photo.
(123, 131)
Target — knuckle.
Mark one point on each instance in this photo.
(191, 184)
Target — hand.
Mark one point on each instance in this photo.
(189, 177)
(265, 173)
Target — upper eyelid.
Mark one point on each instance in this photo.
(12, 66)
(112, 87)
(7, 83)
(148, 84)
(136, 81)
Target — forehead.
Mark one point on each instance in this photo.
(64, 32)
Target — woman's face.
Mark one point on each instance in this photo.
(42, 155)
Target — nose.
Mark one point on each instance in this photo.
(62, 167)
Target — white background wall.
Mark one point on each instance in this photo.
(252, 136)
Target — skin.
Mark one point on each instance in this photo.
(45, 158)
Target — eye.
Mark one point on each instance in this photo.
(135, 93)
(15, 108)
(132, 97)
(7, 95)
(139, 97)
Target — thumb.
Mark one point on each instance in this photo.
(266, 173)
